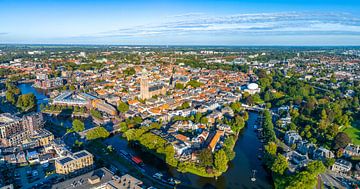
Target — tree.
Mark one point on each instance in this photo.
(280, 164)
(97, 132)
(179, 86)
(206, 158)
(26, 101)
(184, 105)
(236, 106)
(129, 71)
(194, 83)
(95, 114)
(10, 97)
(78, 125)
(221, 161)
(341, 140)
(204, 120)
(250, 100)
(198, 116)
(271, 148)
(329, 162)
(123, 107)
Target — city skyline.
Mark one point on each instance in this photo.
(275, 22)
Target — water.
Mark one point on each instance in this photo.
(40, 94)
(240, 169)
(238, 174)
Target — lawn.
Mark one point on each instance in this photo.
(354, 133)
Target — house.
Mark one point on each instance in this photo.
(322, 153)
(180, 147)
(296, 160)
(305, 147)
(215, 140)
(352, 150)
(292, 137)
(341, 166)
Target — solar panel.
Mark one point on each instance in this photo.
(80, 154)
(65, 160)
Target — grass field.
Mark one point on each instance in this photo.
(354, 132)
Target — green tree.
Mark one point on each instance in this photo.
(78, 125)
(341, 140)
(10, 97)
(206, 158)
(96, 114)
(236, 106)
(26, 101)
(204, 120)
(221, 160)
(179, 86)
(194, 83)
(280, 164)
(123, 107)
(97, 132)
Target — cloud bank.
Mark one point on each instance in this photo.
(286, 23)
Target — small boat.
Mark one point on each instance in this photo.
(255, 126)
(253, 176)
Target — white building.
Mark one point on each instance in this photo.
(342, 166)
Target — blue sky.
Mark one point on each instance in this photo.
(174, 22)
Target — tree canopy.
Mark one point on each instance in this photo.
(123, 107)
(78, 125)
(96, 133)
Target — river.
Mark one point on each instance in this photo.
(237, 176)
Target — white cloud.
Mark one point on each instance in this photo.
(269, 23)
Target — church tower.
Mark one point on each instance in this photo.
(144, 85)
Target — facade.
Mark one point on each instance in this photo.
(352, 150)
(103, 106)
(14, 130)
(147, 91)
(341, 166)
(322, 153)
(49, 83)
(77, 163)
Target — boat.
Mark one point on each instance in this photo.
(253, 176)
(158, 176)
(255, 126)
(137, 160)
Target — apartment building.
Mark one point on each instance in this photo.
(74, 164)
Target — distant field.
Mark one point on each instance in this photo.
(354, 133)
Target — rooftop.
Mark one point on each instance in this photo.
(91, 179)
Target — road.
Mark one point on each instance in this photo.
(124, 165)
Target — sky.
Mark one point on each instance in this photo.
(186, 22)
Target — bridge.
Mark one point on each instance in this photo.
(257, 109)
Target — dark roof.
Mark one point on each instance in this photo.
(82, 181)
(80, 154)
(65, 160)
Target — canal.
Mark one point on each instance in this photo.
(40, 94)
(237, 176)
